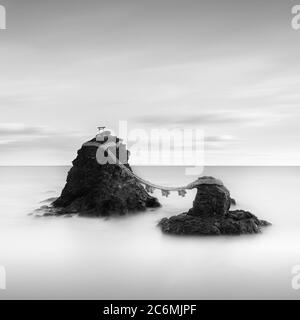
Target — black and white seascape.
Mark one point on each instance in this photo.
(149, 149)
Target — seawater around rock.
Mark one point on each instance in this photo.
(211, 214)
(103, 190)
(99, 190)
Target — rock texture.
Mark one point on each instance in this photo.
(210, 214)
(100, 190)
(211, 200)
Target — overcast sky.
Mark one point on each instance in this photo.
(229, 67)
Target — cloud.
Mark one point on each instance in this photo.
(226, 120)
(221, 138)
(19, 129)
(36, 145)
(200, 119)
(22, 136)
(219, 142)
(63, 141)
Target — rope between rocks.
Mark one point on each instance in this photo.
(150, 187)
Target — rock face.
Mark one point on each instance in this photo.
(210, 214)
(101, 190)
(211, 200)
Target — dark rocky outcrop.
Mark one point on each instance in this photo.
(100, 190)
(210, 214)
(235, 222)
(211, 200)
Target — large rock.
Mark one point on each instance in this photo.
(211, 200)
(100, 190)
(210, 214)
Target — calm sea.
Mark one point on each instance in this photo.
(129, 258)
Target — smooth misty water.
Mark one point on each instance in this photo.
(129, 258)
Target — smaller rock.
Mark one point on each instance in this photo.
(235, 223)
(212, 200)
(210, 214)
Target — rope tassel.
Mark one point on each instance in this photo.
(149, 189)
(182, 193)
(165, 193)
(110, 147)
